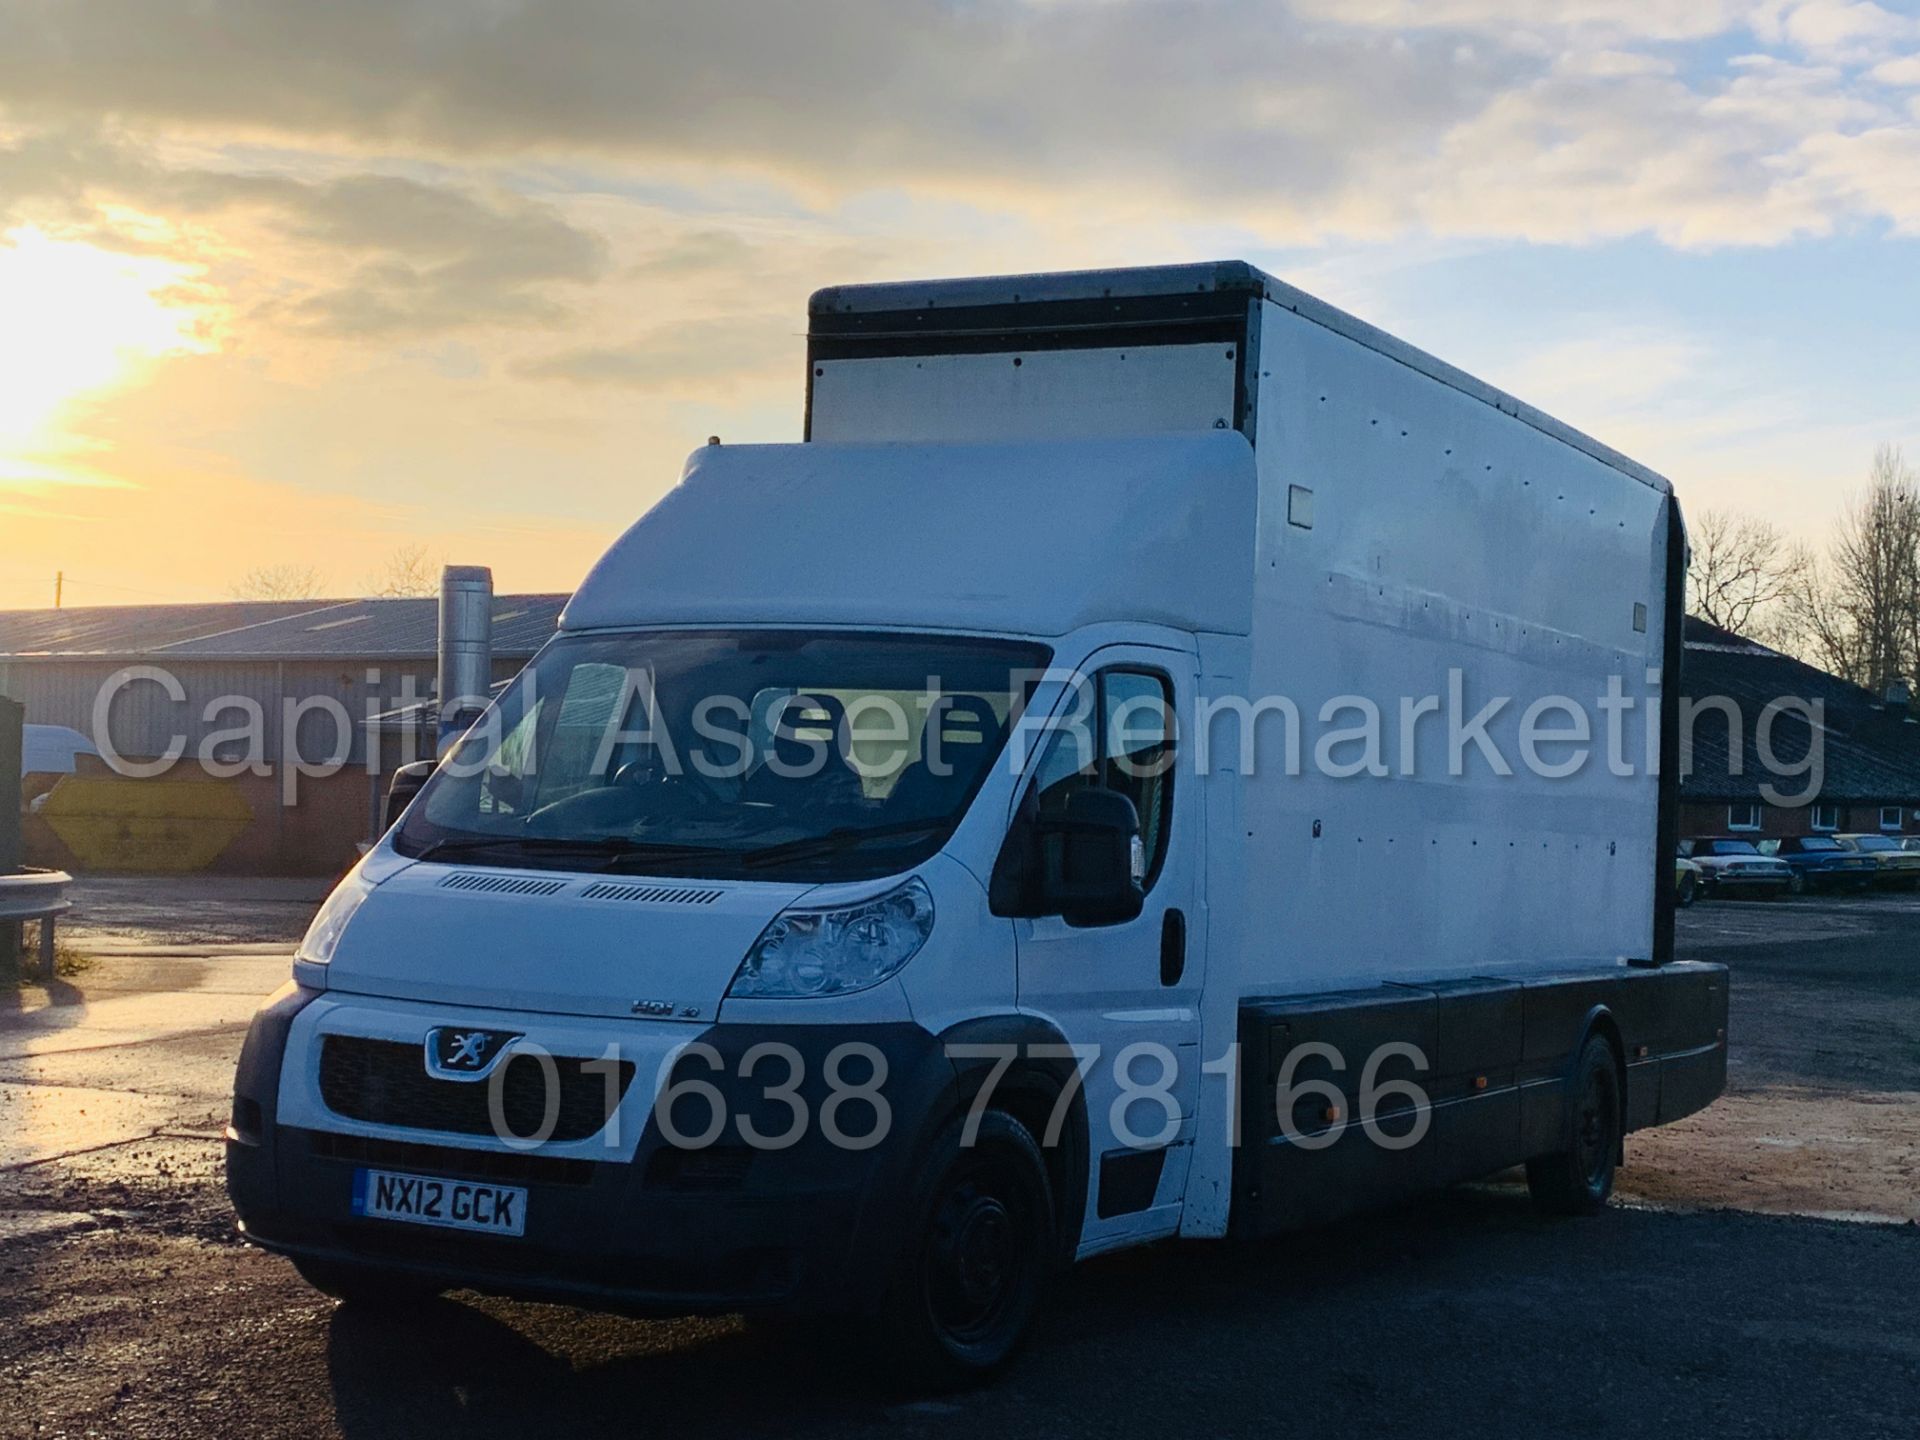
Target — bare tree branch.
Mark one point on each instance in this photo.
(278, 582)
(1744, 571)
(1857, 613)
(410, 572)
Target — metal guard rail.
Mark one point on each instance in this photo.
(36, 895)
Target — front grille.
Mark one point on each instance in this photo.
(385, 1082)
(650, 894)
(501, 884)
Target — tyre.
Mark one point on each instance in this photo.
(365, 1286)
(1579, 1179)
(1798, 884)
(972, 1267)
(1689, 891)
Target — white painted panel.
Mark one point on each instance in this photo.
(1032, 395)
(1447, 535)
(1026, 537)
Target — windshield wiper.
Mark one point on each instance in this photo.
(843, 837)
(612, 847)
(464, 845)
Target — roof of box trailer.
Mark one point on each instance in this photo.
(1211, 277)
(1034, 538)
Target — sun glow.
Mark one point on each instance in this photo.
(76, 319)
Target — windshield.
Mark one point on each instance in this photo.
(1875, 842)
(1820, 847)
(822, 755)
(1734, 847)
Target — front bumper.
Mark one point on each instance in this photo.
(1750, 880)
(660, 1229)
(1850, 877)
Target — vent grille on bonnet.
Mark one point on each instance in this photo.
(502, 884)
(650, 894)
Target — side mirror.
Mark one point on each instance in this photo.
(405, 784)
(1092, 860)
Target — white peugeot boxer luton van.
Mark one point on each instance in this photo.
(1096, 789)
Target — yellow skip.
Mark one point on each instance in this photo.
(146, 826)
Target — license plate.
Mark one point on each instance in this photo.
(452, 1204)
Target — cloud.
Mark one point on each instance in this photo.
(861, 92)
(1589, 20)
(1845, 26)
(440, 257)
(1572, 157)
(1903, 71)
(1881, 167)
(693, 354)
(362, 253)
(1307, 121)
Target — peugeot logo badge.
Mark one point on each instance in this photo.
(457, 1052)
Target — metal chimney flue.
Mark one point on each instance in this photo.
(1899, 697)
(466, 647)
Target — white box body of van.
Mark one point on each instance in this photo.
(1381, 915)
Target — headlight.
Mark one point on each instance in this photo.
(323, 936)
(839, 950)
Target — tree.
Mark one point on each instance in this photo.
(278, 582)
(409, 572)
(1743, 573)
(1857, 614)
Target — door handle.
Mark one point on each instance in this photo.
(1173, 947)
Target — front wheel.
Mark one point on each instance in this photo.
(1579, 1179)
(971, 1270)
(1797, 885)
(1689, 891)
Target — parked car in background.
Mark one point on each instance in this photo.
(1895, 866)
(1734, 866)
(1912, 842)
(1820, 862)
(1687, 881)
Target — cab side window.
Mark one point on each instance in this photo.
(1118, 735)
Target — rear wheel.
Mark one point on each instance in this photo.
(1579, 1179)
(364, 1286)
(969, 1278)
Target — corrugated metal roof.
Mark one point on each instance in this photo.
(133, 629)
(1869, 753)
(268, 630)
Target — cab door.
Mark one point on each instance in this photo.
(1127, 996)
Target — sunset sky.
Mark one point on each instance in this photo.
(298, 283)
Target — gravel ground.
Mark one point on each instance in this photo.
(1822, 1111)
(127, 1309)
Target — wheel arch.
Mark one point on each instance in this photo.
(1030, 1092)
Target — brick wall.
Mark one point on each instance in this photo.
(1703, 818)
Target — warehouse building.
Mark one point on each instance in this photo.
(214, 719)
(1860, 773)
